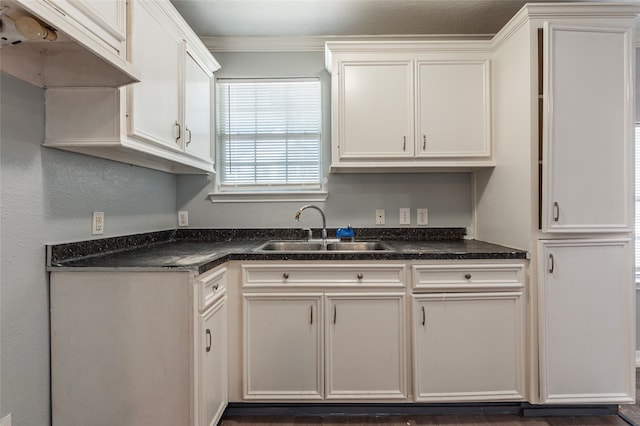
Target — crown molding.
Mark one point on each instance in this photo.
(317, 43)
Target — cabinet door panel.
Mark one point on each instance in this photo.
(365, 346)
(468, 346)
(197, 110)
(453, 109)
(283, 346)
(212, 364)
(586, 318)
(588, 127)
(375, 115)
(154, 102)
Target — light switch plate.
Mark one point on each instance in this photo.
(405, 216)
(423, 217)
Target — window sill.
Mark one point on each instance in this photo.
(267, 197)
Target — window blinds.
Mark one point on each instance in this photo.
(269, 134)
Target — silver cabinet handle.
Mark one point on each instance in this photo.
(467, 276)
(556, 212)
(551, 263)
(404, 145)
(189, 135)
(208, 332)
(424, 316)
(285, 275)
(335, 313)
(311, 319)
(424, 142)
(360, 276)
(179, 131)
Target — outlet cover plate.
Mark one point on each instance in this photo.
(183, 218)
(380, 219)
(405, 216)
(423, 217)
(97, 223)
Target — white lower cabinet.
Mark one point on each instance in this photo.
(283, 346)
(317, 342)
(365, 336)
(138, 348)
(468, 333)
(586, 321)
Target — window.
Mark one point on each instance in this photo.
(269, 138)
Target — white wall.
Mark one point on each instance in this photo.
(353, 198)
(47, 196)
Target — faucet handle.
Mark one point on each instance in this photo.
(309, 233)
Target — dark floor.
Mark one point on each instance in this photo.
(631, 414)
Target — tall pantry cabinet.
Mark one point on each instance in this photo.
(563, 92)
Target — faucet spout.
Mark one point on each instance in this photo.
(324, 220)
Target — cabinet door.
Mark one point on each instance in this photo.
(197, 110)
(453, 109)
(282, 346)
(587, 129)
(375, 110)
(211, 372)
(468, 346)
(365, 338)
(586, 321)
(157, 52)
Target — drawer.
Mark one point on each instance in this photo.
(209, 287)
(308, 275)
(464, 277)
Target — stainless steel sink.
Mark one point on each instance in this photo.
(316, 245)
(290, 246)
(357, 246)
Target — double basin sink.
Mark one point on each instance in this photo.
(316, 245)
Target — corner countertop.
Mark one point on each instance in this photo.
(201, 250)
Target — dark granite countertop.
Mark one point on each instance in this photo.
(201, 250)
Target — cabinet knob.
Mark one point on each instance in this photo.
(467, 276)
(360, 276)
(215, 287)
(285, 275)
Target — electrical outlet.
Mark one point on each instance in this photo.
(423, 217)
(379, 216)
(97, 224)
(183, 218)
(405, 216)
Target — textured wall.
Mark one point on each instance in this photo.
(353, 198)
(47, 196)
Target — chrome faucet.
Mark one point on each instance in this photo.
(324, 220)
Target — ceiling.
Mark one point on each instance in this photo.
(316, 18)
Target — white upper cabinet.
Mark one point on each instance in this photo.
(453, 109)
(410, 106)
(198, 109)
(154, 103)
(588, 127)
(164, 121)
(91, 46)
(375, 114)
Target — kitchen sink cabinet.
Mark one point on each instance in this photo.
(138, 347)
(587, 127)
(283, 345)
(164, 121)
(468, 332)
(299, 324)
(586, 317)
(365, 338)
(400, 106)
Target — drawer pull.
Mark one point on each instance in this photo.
(335, 313)
(424, 142)
(556, 212)
(551, 264)
(404, 144)
(208, 349)
(285, 275)
(311, 319)
(215, 287)
(360, 276)
(467, 276)
(424, 316)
